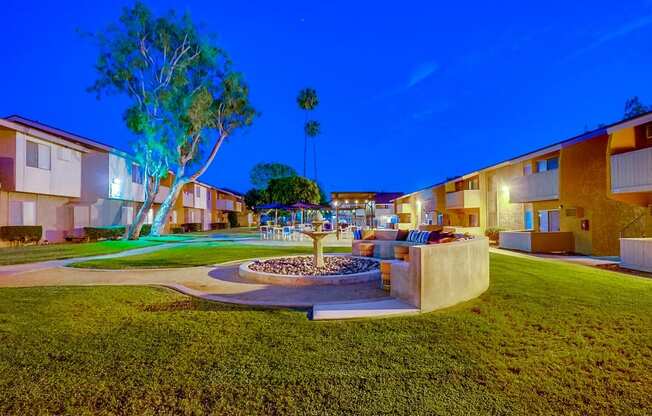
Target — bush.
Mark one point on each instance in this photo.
(493, 233)
(146, 229)
(190, 227)
(233, 219)
(108, 233)
(176, 230)
(21, 233)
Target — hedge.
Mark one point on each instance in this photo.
(176, 230)
(146, 229)
(21, 233)
(109, 233)
(191, 227)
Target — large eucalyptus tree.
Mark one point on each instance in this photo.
(185, 99)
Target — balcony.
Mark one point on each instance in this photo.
(469, 198)
(225, 205)
(632, 171)
(541, 186)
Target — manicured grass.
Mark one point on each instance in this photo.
(30, 254)
(199, 254)
(546, 338)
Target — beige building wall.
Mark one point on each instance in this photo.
(500, 213)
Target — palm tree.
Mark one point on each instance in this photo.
(312, 129)
(307, 101)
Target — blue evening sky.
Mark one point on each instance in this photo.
(411, 92)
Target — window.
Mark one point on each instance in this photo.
(198, 192)
(648, 131)
(136, 174)
(527, 169)
(549, 221)
(63, 153)
(127, 215)
(22, 213)
(37, 155)
(528, 220)
(474, 184)
(547, 164)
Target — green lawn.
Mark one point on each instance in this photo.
(199, 254)
(30, 254)
(546, 338)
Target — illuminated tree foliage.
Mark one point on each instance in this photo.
(293, 189)
(184, 96)
(261, 173)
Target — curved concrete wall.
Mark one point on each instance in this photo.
(442, 275)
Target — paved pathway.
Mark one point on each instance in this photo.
(577, 259)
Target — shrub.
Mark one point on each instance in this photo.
(233, 219)
(493, 233)
(21, 233)
(176, 230)
(146, 229)
(190, 227)
(109, 233)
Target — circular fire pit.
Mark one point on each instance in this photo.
(301, 271)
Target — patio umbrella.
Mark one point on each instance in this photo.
(272, 205)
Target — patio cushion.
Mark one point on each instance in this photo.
(368, 235)
(401, 235)
(357, 235)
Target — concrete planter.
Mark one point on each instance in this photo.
(306, 280)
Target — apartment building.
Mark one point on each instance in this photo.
(65, 182)
(40, 177)
(578, 195)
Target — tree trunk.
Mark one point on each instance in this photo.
(159, 219)
(151, 189)
(305, 144)
(314, 155)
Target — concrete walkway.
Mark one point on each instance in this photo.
(218, 283)
(45, 265)
(576, 259)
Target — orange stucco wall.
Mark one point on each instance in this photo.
(584, 184)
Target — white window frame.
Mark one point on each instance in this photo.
(40, 153)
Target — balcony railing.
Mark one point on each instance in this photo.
(632, 171)
(537, 242)
(469, 198)
(541, 186)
